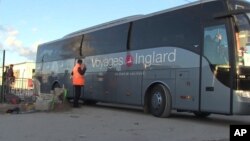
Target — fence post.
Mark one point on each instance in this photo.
(2, 88)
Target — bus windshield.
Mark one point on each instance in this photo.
(243, 39)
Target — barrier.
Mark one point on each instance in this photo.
(22, 87)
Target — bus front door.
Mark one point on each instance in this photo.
(215, 90)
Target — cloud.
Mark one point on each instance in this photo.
(30, 53)
(12, 32)
(8, 31)
(10, 42)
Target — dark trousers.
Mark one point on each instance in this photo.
(77, 91)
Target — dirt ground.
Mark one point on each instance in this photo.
(105, 123)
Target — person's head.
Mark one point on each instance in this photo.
(11, 65)
(79, 61)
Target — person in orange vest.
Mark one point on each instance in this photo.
(78, 80)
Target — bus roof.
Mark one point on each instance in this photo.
(105, 25)
(130, 19)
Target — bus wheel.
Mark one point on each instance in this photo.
(201, 114)
(160, 101)
(56, 85)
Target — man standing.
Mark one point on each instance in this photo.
(10, 78)
(78, 80)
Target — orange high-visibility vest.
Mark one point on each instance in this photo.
(77, 78)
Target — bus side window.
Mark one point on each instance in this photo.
(216, 45)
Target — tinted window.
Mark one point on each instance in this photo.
(216, 45)
(180, 28)
(106, 41)
(61, 49)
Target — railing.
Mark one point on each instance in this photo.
(22, 87)
(23, 83)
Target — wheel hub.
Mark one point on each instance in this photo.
(156, 100)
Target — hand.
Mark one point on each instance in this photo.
(82, 66)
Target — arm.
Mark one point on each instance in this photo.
(82, 70)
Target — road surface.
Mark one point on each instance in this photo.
(112, 123)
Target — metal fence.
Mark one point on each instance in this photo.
(22, 87)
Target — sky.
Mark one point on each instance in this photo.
(24, 24)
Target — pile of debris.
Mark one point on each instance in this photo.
(54, 101)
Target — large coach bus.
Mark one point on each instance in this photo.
(193, 58)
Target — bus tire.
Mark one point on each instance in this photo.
(160, 101)
(202, 114)
(56, 85)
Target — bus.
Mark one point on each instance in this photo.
(191, 58)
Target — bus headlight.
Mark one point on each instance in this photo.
(245, 94)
